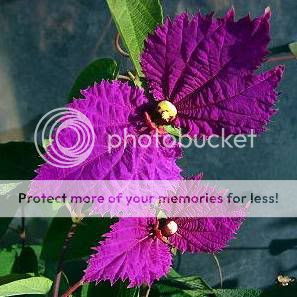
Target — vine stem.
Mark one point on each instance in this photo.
(60, 268)
(281, 58)
(72, 289)
(144, 291)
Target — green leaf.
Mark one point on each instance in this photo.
(26, 261)
(9, 278)
(7, 258)
(190, 286)
(276, 291)
(18, 260)
(173, 273)
(173, 130)
(279, 291)
(293, 48)
(238, 293)
(87, 235)
(18, 160)
(105, 289)
(135, 19)
(13, 285)
(95, 72)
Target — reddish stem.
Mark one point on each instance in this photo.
(72, 289)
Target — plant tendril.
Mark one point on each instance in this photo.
(124, 77)
(219, 269)
(118, 46)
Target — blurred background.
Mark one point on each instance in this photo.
(44, 44)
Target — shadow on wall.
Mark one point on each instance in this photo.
(44, 45)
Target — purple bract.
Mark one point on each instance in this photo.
(138, 249)
(205, 67)
(114, 108)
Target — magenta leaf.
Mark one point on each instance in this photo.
(130, 252)
(112, 109)
(204, 66)
(247, 104)
(204, 234)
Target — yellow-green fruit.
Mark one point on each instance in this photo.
(167, 110)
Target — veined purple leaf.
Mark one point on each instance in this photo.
(113, 109)
(130, 252)
(205, 234)
(208, 235)
(245, 105)
(205, 66)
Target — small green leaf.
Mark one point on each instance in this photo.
(280, 291)
(238, 293)
(18, 260)
(276, 291)
(173, 273)
(9, 278)
(7, 258)
(173, 130)
(135, 19)
(95, 72)
(176, 286)
(14, 285)
(293, 48)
